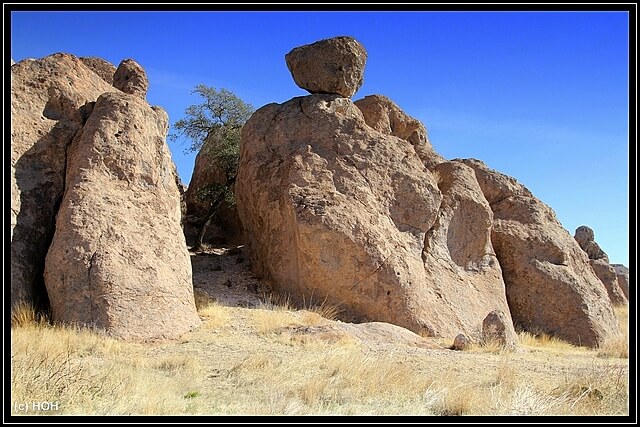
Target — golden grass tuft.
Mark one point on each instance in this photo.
(544, 341)
(618, 346)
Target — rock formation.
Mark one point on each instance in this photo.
(348, 202)
(103, 68)
(131, 78)
(334, 66)
(600, 263)
(117, 260)
(351, 214)
(48, 98)
(550, 284)
(497, 327)
(623, 278)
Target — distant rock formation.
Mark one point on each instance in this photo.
(623, 278)
(550, 285)
(349, 203)
(332, 66)
(600, 263)
(93, 161)
(206, 173)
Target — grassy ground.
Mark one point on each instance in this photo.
(240, 362)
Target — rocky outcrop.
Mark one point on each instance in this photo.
(550, 285)
(351, 214)
(623, 278)
(332, 66)
(586, 239)
(497, 327)
(131, 78)
(600, 263)
(103, 68)
(49, 104)
(118, 260)
(385, 116)
(100, 174)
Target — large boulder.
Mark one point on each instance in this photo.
(131, 78)
(600, 263)
(332, 66)
(550, 285)
(48, 98)
(340, 212)
(118, 260)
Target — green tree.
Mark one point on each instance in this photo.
(213, 128)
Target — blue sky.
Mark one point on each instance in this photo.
(540, 96)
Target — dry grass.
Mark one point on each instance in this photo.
(244, 366)
(215, 315)
(618, 346)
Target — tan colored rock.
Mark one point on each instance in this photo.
(335, 209)
(118, 260)
(131, 78)
(600, 263)
(623, 278)
(550, 285)
(48, 98)
(497, 327)
(586, 239)
(385, 116)
(101, 67)
(607, 275)
(460, 342)
(332, 66)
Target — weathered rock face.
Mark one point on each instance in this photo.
(550, 285)
(118, 260)
(497, 327)
(131, 78)
(335, 209)
(103, 68)
(623, 278)
(607, 275)
(460, 342)
(332, 66)
(385, 116)
(586, 239)
(600, 263)
(47, 99)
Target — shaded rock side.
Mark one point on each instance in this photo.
(600, 263)
(607, 275)
(48, 98)
(118, 260)
(331, 66)
(205, 174)
(497, 327)
(335, 209)
(550, 285)
(623, 278)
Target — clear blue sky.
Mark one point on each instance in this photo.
(540, 96)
